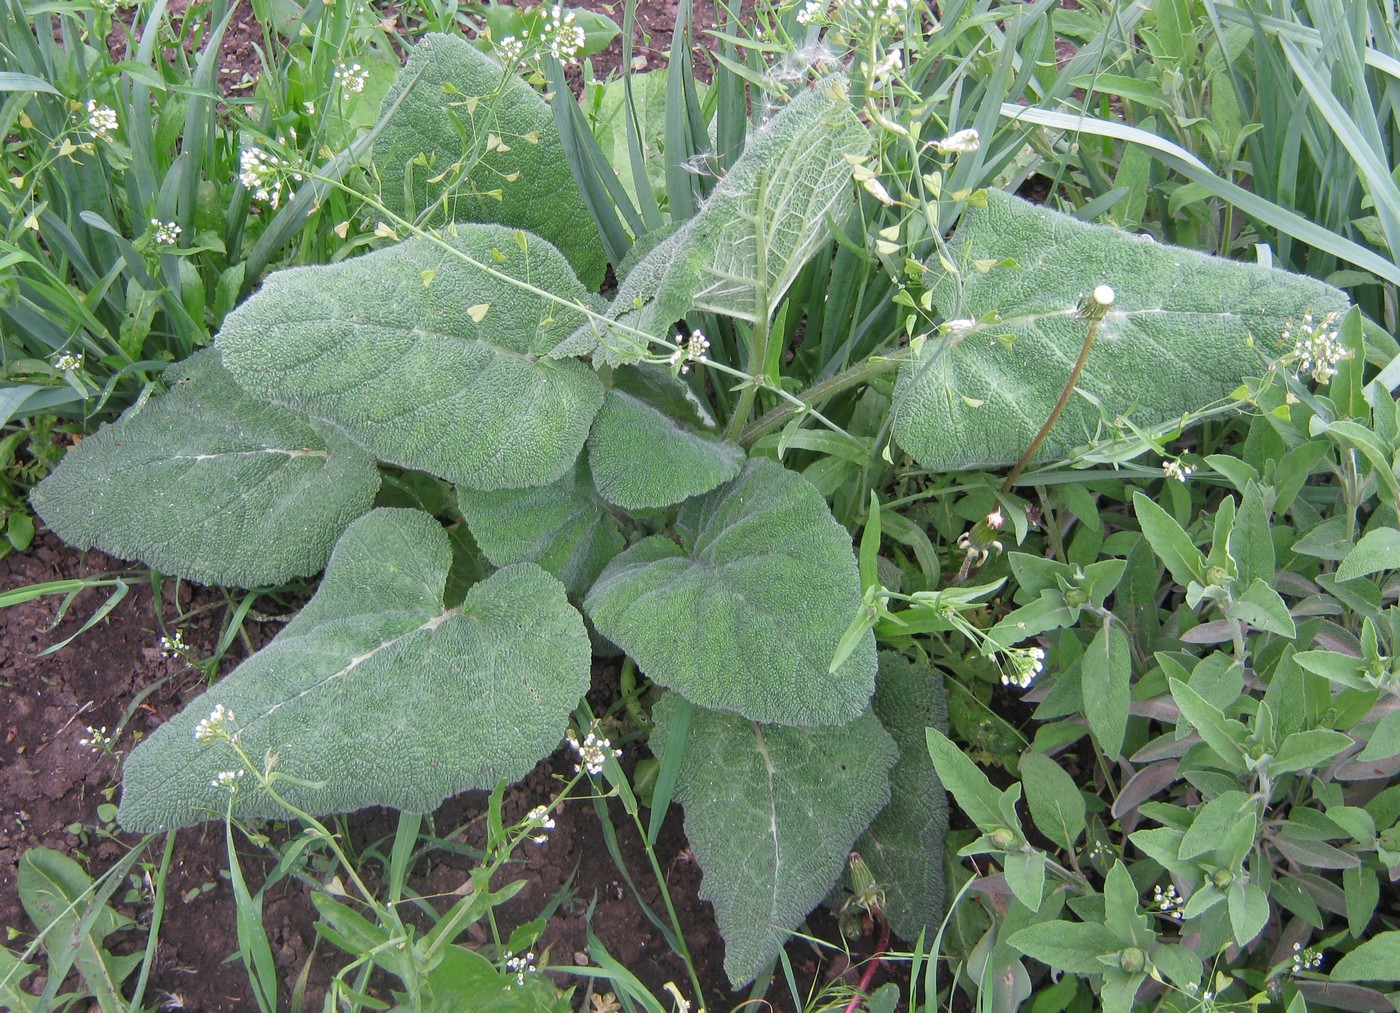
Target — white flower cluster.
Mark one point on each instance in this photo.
(98, 740)
(101, 120)
(521, 966)
(68, 361)
(539, 817)
(565, 38)
(813, 11)
(216, 725)
(228, 780)
(1178, 469)
(593, 752)
(690, 350)
(1317, 348)
(351, 77)
(1306, 960)
(1025, 664)
(166, 233)
(885, 68)
(559, 32)
(1168, 901)
(173, 647)
(261, 174)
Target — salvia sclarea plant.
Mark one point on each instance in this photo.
(604, 489)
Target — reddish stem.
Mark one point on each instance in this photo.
(876, 961)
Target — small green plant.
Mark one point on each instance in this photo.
(498, 470)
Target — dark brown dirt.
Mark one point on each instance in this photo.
(51, 787)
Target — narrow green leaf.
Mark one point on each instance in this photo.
(1251, 541)
(1379, 549)
(970, 788)
(1224, 735)
(1056, 805)
(1107, 672)
(1262, 607)
(1121, 915)
(1307, 749)
(1384, 741)
(1073, 947)
(1172, 545)
(1377, 959)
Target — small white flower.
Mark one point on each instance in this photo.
(885, 67)
(173, 647)
(510, 51)
(215, 725)
(1104, 295)
(1178, 469)
(68, 361)
(352, 77)
(101, 120)
(261, 172)
(1026, 663)
(166, 233)
(961, 143)
(521, 966)
(565, 37)
(98, 740)
(1168, 901)
(593, 752)
(812, 12)
(228, 780)
(1306, 960)
(690, 350)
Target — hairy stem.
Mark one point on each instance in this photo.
(850, 377)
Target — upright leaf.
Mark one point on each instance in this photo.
(207, 483)
(1183, 330)
(472, 142)
(1106, 676)
(904, 846)
(742, 250)
(565, 527)
(427, 360)
(771, 813)
(649, 446)
(745, 614)
(1055, 801)
(376, 694)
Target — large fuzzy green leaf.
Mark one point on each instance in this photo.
(564, 527)
(771, 813)
(426, 360)
(478, 144)
(649, 446)
(376, 693)
(904, 846)
(1184, 329)
(746, 613)
(207, 483)
(765, 219)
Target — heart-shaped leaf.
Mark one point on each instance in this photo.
(564, 527)
(375, 694)
(427, 360)
(739, 254)
(207, 483)
(745, 614)
(643, 455)
(1183, 330)
(472, 142)
(771, 813)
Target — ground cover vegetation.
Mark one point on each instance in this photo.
(874, 477)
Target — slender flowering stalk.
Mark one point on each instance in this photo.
(593, 752)
(1025, 664)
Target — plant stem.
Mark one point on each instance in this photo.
(820, 391)
(1059, 406)
(876, 959)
